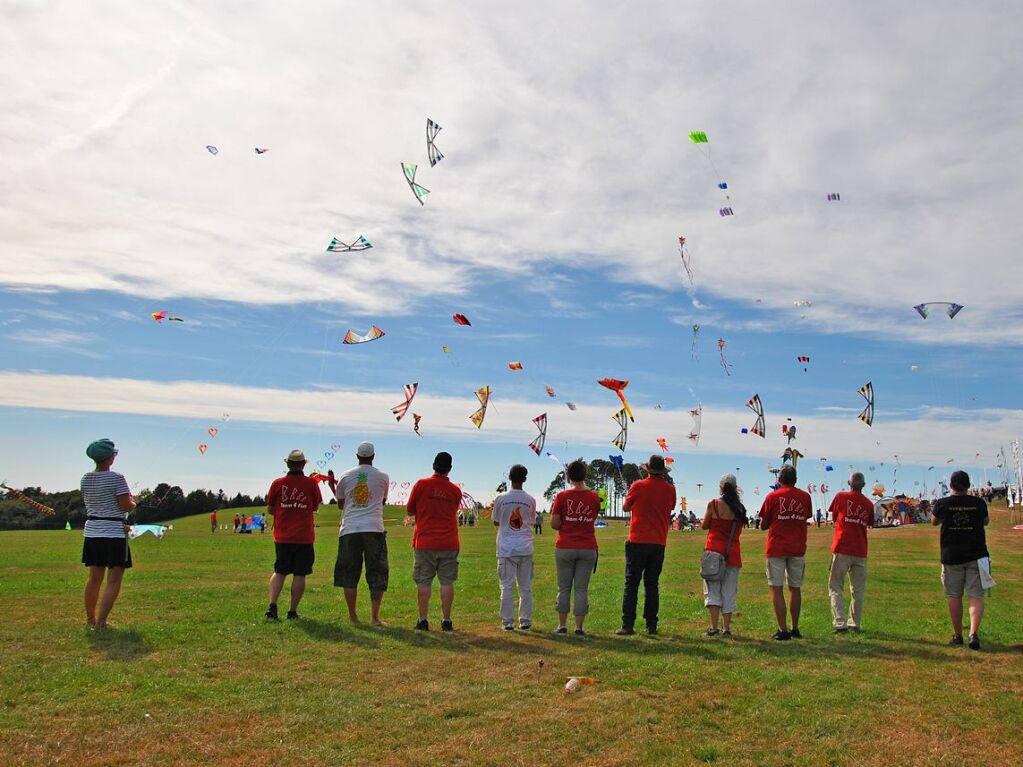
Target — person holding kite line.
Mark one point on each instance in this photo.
(573, 515)
(108, 501)
(724, 520)
(784, 515)
(514, 517)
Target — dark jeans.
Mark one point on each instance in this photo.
(643, 562)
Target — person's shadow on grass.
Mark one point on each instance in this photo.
(332, 632)
(119, 644)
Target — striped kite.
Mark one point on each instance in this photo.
(867, 392)
(461, 319)
(759, 428)
(24, 498)
(409, 169)
(400, 409)
(351, 337)
(336, 246)
(432, 129)
(541, 423)
(483, 395)
(623, 433)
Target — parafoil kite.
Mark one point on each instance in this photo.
(515, 366)
(834, 197)
(483, 395)
(686, 258)
(867, 415)
(336, 246)
(400, 409)
(663, 444)
(759, 428)
(623, 433)
(420, 191)
(724, 362)
(700, 137)
(211, 149)
(694, 433)
(618, 387)
(541, 423)
(432, 129)
(804, 361)
(951, 309)
(460, 319)
(25, 499)
(550, 392)
(351, 337)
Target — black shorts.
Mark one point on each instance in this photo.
(352, 549)
(294, 558)
(106, 552)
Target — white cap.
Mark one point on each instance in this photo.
(365, 450)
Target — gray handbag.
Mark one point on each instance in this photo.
(712, 564)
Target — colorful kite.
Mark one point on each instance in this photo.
(515, 366)
(618, 387)
(157, 531)
(867, 392)
(416, 418)
(694, 433)
(618, 461)
(400, 409)
(261, 150)
(446, 349)
(211, 149)
(759, 428)
(336, 246)
(161, 316)
(351, 337)
(25, 499)
(483, 395)
(410, 176)
(686, 258)
(550, 392)
(834, 197)
(663, 444)
(951, 309)
(213, 431)
(203, 448)
(541, 423)
(724, 362)
(460, 319)
(804, 361)
(432, 129)
(696, 335)
(789, 432)
(623, 433)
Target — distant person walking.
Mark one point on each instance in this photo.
(213, 521)
(651, 502)
(852, 514)
(361, 493)
(433, 504)
(292, 501)
(964, 555)
(514, 517)
(573, 515)
(724, 520)
(784, 516)
(105, 551)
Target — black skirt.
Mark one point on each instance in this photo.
(106, 552)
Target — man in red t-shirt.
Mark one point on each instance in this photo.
(434, 503)
(292, 501)
(853, 514)
(784, 516)
(651, 501)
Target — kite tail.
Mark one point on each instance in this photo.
(22, 497)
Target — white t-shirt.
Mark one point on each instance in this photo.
(514, 514)
(104, 518)
(363, 491)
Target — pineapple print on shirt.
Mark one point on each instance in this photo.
(360, 495)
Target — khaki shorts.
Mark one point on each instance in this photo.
(428, 563)
(959, 578)
(780, 567)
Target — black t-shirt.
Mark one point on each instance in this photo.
(962, 528)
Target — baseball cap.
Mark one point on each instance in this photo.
(442, 462)
(296, 456)
(365, 450)
(101, 449)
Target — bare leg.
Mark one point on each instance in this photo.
(955, 612)
(727, 618)
(562, 620)
(715, 611)
(447, 597)
(92, 587)
(110, 592)
(350, 597)
(778, 599)
(297, 590)
(423, 597)
(276, 584)
(579, 622)
(795, 603)
(976, 613)
(375, 600)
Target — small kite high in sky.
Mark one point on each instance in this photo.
(460, 319)
(727, 211)
(698, 137)
(203, 448)
(834, 197)
(759, 428)
(213, 431)
(25, 499)
(618, 387)
(432, 129)
(211, 149)
(663, 444)
(483, 395)
(541, 423)
(696, 336)
(420, 191)
(351, 337)
(694, 433)
(867, 392)
(951, 309)
(515, 366)
(687, 261)
(261, 150)
(400, 410)
(804, 361)
(724, 361)
(570, 405)
(161, 316)
(550, 391)
(416, 418)
(623, 429)
(336, 246)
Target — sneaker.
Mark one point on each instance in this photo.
(580, 633)
(526, 626)
(726, 634)
(841, 629)
(422, 624)
(560, 630)
(625, 631)
(956, 640)
(292, 615)
(974, 642)
(714, 632)
(271, 614)
(447, 625)
(508, 627)
(781, 635)
(651, 631)
(794, 634)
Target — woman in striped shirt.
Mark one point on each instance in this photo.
(105, 552)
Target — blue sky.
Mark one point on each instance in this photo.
(552, 223)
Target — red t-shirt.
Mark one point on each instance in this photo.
(434, 502)
(784, 515)
(853, 514)
(578, 510)
(651, 501)
(292, 500)
(717, 538)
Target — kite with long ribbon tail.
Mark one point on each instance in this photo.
(400, 409)
(623, 433)
(483, 395)
(687, 260)
(867, 392)
(161, 316)
(698, 138)
(663, 444)
(541, 423)
(724, 362)
(759, 428)
(696, 335)
(351, 337)
(25, 499)
(618, 387)
(416, 418)
(694, 433)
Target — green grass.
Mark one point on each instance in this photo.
(191, 675)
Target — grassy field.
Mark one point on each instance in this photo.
(191, 675)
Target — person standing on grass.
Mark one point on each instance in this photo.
(361, 493)
(573, 515)
(852, 514)
(538, 525)
(213, 521)
(237, 521)
(651, 502)
(514, 517)
(963, 544)
(784, 515)
(724, 521)
(433, 504)
(292, 501)
(108, 501)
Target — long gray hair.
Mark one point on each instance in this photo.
(729, 487)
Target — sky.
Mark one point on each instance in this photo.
(552, 223)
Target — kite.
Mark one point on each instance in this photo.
(541, 423)
(24, 498)
(416, 418)
(483, 395)
(663, 444)
(213, 431)
(570, 405)
(696, 335)
(515, 366)
(432, 129)
(834, 197)
(758, 428)
(951, 309)
(617, 387)
(725, 212)
(658, 407)
(446, 349)
(623, 434)
(802, 303)
(722, 185)
(697, 414)
(668, 460)
(351, 337)
(698, 137)
(161, 316)
(410, 176)
(686, 258)
(914, 368)
(203, 448)
(550, 392)
(261, 150)
(461, 319)
(134, 531)
(724, 361)
(211, 149)
(867, 392)
(336, 246)
(804, 361)
(829, 467)
(788, 431)
(317, 477)
(410, 392)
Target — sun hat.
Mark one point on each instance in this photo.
(101, 450)
(295, 456)
(655, 465)
(365, 450)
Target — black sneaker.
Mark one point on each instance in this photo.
(842, 630)
(726, 634)
(422, 624)
(525, 626)
(625, 631)
(974, 642)
(956, 640)
(580, 633)
(714, 632)
(794, 634)
(446, 625)
(292, 615)
(651, 631)
(560, 630)
(271, 614)
(781, 635)
(509, 627)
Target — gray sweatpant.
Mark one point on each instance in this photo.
(575, 566)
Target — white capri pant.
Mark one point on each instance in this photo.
(723, 593)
